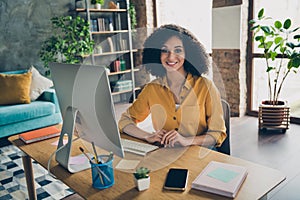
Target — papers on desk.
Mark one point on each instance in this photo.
(221, 178)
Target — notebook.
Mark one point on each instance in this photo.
(221, 178)
(39, 134)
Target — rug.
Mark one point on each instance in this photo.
(13, 182)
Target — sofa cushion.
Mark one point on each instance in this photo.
(15, 88)
(39, 84)
(15, 113)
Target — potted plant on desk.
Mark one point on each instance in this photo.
(142, 178)
(280, 45)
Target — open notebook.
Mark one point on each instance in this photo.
(221, 178)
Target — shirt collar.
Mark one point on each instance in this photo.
(188, 83)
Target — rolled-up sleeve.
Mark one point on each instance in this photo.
(215, 121)
(137, 112)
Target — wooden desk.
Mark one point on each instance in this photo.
(258, 183)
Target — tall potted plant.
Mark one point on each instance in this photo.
(69, 43)
(277, 39)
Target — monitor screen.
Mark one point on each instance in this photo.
(86, 89)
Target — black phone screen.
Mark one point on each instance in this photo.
(176, 179)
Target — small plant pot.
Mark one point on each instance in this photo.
(142, 184)
(98, 6)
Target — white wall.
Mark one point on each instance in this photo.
(190, 15)
(226, 27)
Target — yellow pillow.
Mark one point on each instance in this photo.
(15, 88)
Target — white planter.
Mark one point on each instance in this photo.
(98, 6)
(142, 184)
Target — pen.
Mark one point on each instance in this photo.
(95, 152)
(99, 170)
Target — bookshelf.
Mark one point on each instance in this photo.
(111, 31)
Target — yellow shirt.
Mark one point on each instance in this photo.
(200, 110)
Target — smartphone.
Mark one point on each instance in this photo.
(176, 179)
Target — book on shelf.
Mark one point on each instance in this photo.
(101, 24)
(40, 134)
(93, 25)
(110, 44)
(221, 178)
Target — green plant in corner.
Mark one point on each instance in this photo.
(69, 43)
(141, 172)
(278, 40)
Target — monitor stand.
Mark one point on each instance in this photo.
(64, 150)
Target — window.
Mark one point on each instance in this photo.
(280, 10)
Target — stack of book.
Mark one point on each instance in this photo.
(39, 134)
(221, 178)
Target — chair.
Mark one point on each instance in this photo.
(225, 147)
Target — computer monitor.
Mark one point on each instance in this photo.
(85, 101)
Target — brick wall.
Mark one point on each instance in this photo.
(229, 65)
(226, 69)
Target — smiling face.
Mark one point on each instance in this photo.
(173, 55)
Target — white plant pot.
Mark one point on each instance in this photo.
(98, 6)
(142, 184)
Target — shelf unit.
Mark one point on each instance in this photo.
(113, 47)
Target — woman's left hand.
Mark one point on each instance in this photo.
(171, 138)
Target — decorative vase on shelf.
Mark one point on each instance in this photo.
(98, 6)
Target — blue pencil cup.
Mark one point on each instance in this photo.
(103, 174)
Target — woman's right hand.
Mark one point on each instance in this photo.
(155, 136)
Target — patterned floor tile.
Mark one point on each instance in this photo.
(13, 183)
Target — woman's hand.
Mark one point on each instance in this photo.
(171, 138)
(155, 137)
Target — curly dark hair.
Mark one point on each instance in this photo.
(196, 59)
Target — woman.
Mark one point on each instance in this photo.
(185, 107)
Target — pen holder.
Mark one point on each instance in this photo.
(102, 173)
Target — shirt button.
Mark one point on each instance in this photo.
(174, 118)
(176, 129)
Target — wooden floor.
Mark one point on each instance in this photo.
(275, 150)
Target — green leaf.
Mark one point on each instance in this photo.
(277, 40)
(278, 24)
(254, 27)
(287, 24)
(261, 46)
(260, 13)
(290, 44)
(296, 36)
(258, 38)
(296, 29)
(273, 55)
(252, 21)
(270, 69)
(282, 49)
(269, 44)
(266, 29)
(296, 62)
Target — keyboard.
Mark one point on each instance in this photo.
(135, 147)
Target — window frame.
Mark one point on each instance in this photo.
(250, 66)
